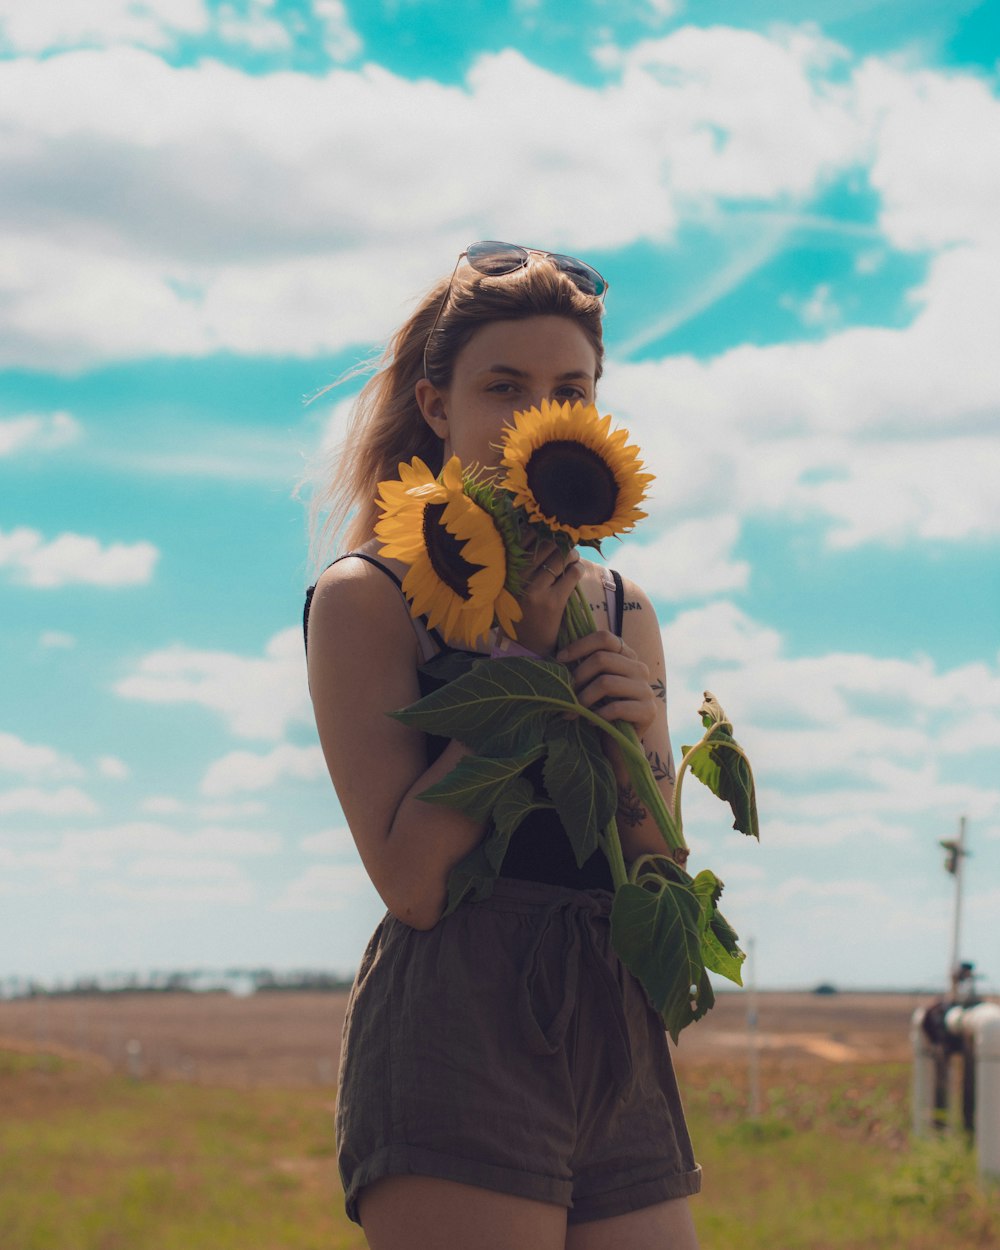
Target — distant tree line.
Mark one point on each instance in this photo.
(239, 981)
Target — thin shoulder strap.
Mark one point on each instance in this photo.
(430, 640)
(614, 595)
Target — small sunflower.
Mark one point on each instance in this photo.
(568, 471)
(458, 560)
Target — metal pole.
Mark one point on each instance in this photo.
(957, 926)
(752, 1034)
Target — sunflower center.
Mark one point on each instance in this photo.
(444, 551)
(572, 483)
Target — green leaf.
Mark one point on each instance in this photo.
(581, 783)
(708, 890)
(497, 707)
(657, 934)
(447, 665)
(726, 934)
(516, 802)
(476, 782)
(472, 878)
(717, 959)
(719, 763)
(718, 939)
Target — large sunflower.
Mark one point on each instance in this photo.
(458, 560)
(571, 473)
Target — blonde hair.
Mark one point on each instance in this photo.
(386, 426)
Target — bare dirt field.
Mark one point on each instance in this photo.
(293, 1039)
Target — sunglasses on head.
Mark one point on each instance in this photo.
(494, 260)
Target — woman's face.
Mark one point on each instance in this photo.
(505, 367)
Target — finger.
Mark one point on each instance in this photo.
(611, 685)
(601, 640)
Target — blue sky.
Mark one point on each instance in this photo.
(210, 211)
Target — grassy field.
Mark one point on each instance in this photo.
(91, 1160)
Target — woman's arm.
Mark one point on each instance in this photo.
(630, 684)
(362, 666)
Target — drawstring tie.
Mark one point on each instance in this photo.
(567, 943)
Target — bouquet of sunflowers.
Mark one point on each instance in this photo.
(566, 478)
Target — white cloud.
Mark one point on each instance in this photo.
(845, 746)
(222, 210)
(113, 768)
(258, 696)
(37, 432)
(721, 633)
(818, 309)
(162, 805)
(336, 841)
(64, 801)
(186, 869)
(240, 771)
(324, 887)
(688, 560)
(935, 164)
(208, 813)
(339, 38)
(212, 812)
(885, 434)
(110, 847)
(237, 892)
(254, 25)
(46, 25)
(75, 559)
(56, 639)
(34, 761)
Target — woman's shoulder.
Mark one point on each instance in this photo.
(359, 591)
(359, 566)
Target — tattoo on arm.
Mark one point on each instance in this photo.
(663, 770)
(659, 688)
(630, 809)
(632, 605)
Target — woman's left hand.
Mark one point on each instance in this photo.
(611, 679)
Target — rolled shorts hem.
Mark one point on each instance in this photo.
(635, 1197)
(418, 1161)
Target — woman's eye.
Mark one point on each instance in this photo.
(572, 393)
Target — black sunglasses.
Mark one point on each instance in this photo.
(494, 260)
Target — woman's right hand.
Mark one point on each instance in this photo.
(552, 579)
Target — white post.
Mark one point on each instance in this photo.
(983, 1021)
(923, 1076)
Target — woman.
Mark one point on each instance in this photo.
(504, 1083)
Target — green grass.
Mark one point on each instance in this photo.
(90, 1161)
(96, 1162)
(829, 1165)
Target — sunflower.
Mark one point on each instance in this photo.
(458, 561)
(569, 472)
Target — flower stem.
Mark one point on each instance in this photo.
(639, 771)
(612, 847)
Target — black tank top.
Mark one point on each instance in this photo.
(539, 849)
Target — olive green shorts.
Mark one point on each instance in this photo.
(508, 1048)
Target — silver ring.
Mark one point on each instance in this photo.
(621, 645)
(555, 576)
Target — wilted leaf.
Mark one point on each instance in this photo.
(719, 763)
(720, 961)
